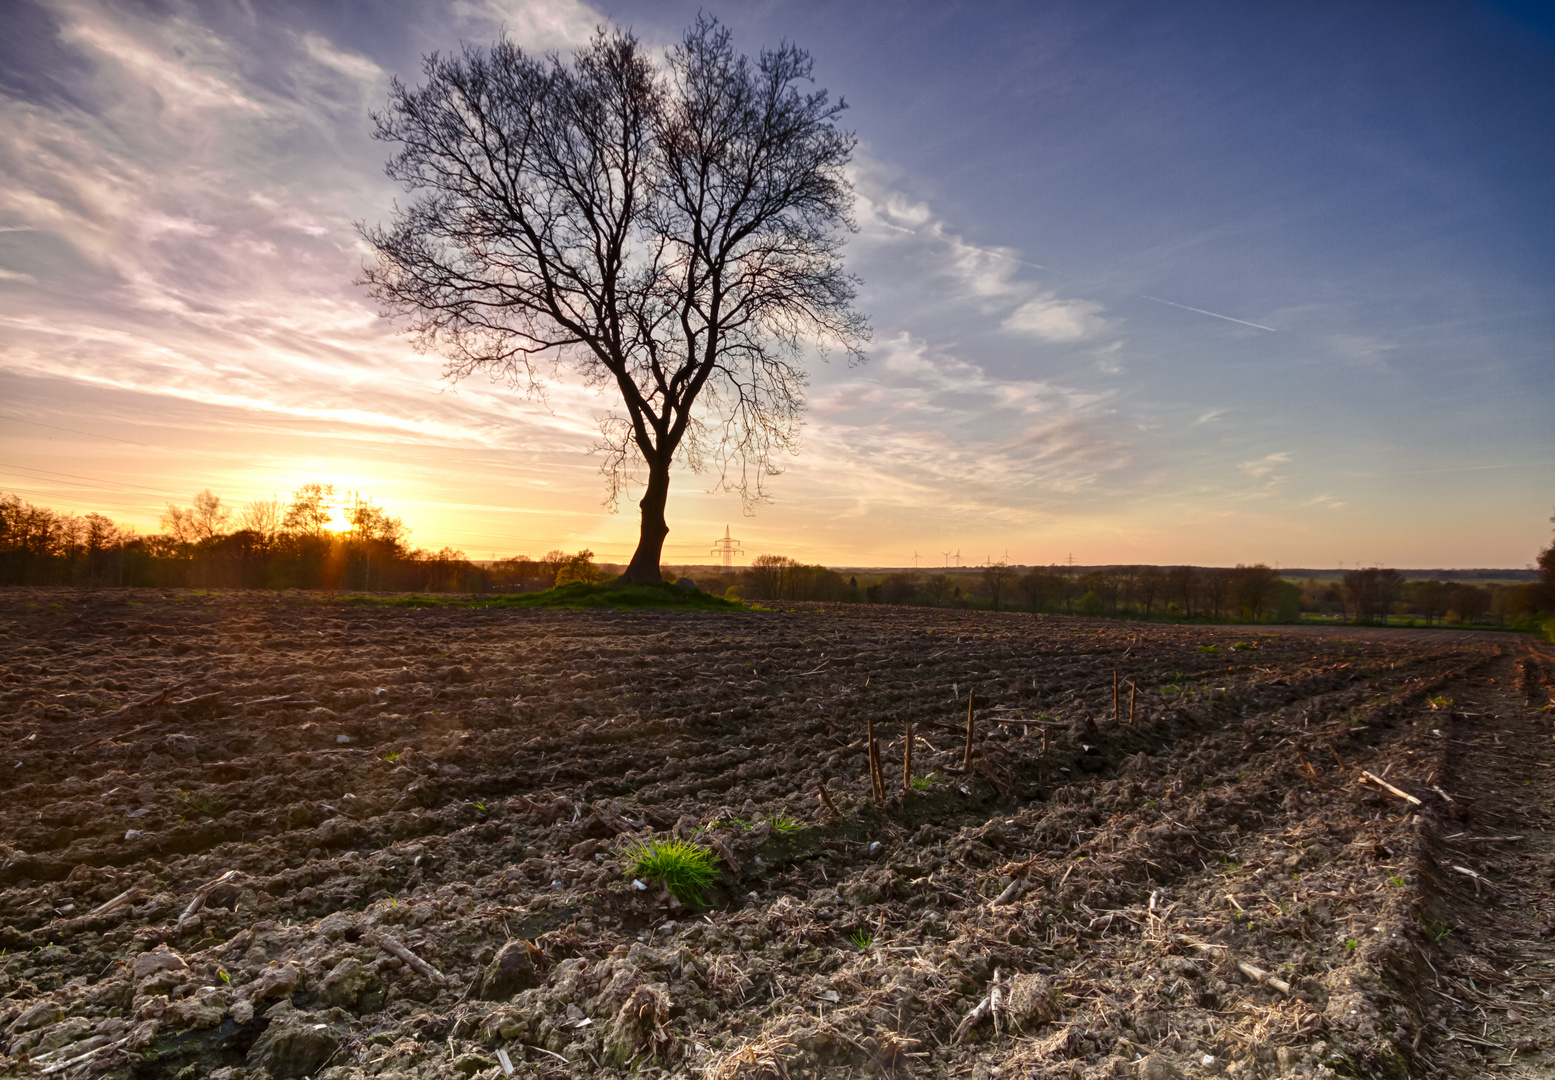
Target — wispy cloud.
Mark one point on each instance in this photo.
(1265, 465)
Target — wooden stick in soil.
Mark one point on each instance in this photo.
(826, 802)
(1133, 692)
(1116, 712)
(410, 959)
(1374, 778)
(1305, 764)
(907, 760)
(128, 896)
(1342, 766)
(1258, 974)
(156, 699)
(971, 706)
(876, 785)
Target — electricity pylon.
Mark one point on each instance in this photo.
(727, 548)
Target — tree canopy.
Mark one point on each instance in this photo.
(672, 233)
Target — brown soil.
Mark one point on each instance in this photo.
(356, 842)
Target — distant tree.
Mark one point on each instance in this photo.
(1182, 585)
(1430, 599)
(579, 567)
(768, 577)
(265, 519)
(1219, 586)
(550, 564)
(999, 578)
(899, 588)
(1546, 566)
(311, 510)
(205, 520)
(1128, 584)
(938, 587)
(370, 522)
(1151, 581)
(1372, 591)
(1468, 602)
(1035, 586)
(1254, 588)
(1360, 589)
(672, 231)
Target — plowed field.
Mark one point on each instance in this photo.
(250, 834)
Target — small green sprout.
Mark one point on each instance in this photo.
(224, 977)
(862, 939)
(1437, 930)
(1398, 881)
(1351, 944)
(684, 867)
(784, 823)
(391, 758)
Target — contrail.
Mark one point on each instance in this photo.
(1211, 314)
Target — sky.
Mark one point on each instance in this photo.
(1195, 283)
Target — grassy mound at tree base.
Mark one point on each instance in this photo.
(574, 596)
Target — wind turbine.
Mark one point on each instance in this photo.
(947, 559)
(915, 559)
(958, 558)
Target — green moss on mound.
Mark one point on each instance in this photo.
(573, 596)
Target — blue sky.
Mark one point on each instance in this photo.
(1150, 283)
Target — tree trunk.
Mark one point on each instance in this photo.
(644, 567)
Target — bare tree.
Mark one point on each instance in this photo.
(1035, 586)
(938, 587)
(1217, 582)
(769, 576)
(205, 520)
(1183, 584)
(311, 510)
(1151, 581)
(672, 233)
(264, 518)
(1469, 602)
(999, 578)
(1430, 597)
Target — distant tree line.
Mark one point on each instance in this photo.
(318, 539)
(321, 538)
(1255, 593)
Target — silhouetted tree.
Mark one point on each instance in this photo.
(1546, 566)
(311, 510)
(999, 578)
(1035, 587)
(938, 587)
(1254, 588)
(1182, 585)
(673, 232)
(1150, 582)
(1469, 602)
(767, 577)
(1430, 598)
(1219, 584)
(203, 521)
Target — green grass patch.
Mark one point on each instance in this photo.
(684, 868)
(784, 823)
(573, 596)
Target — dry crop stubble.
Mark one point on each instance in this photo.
(456, 784)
